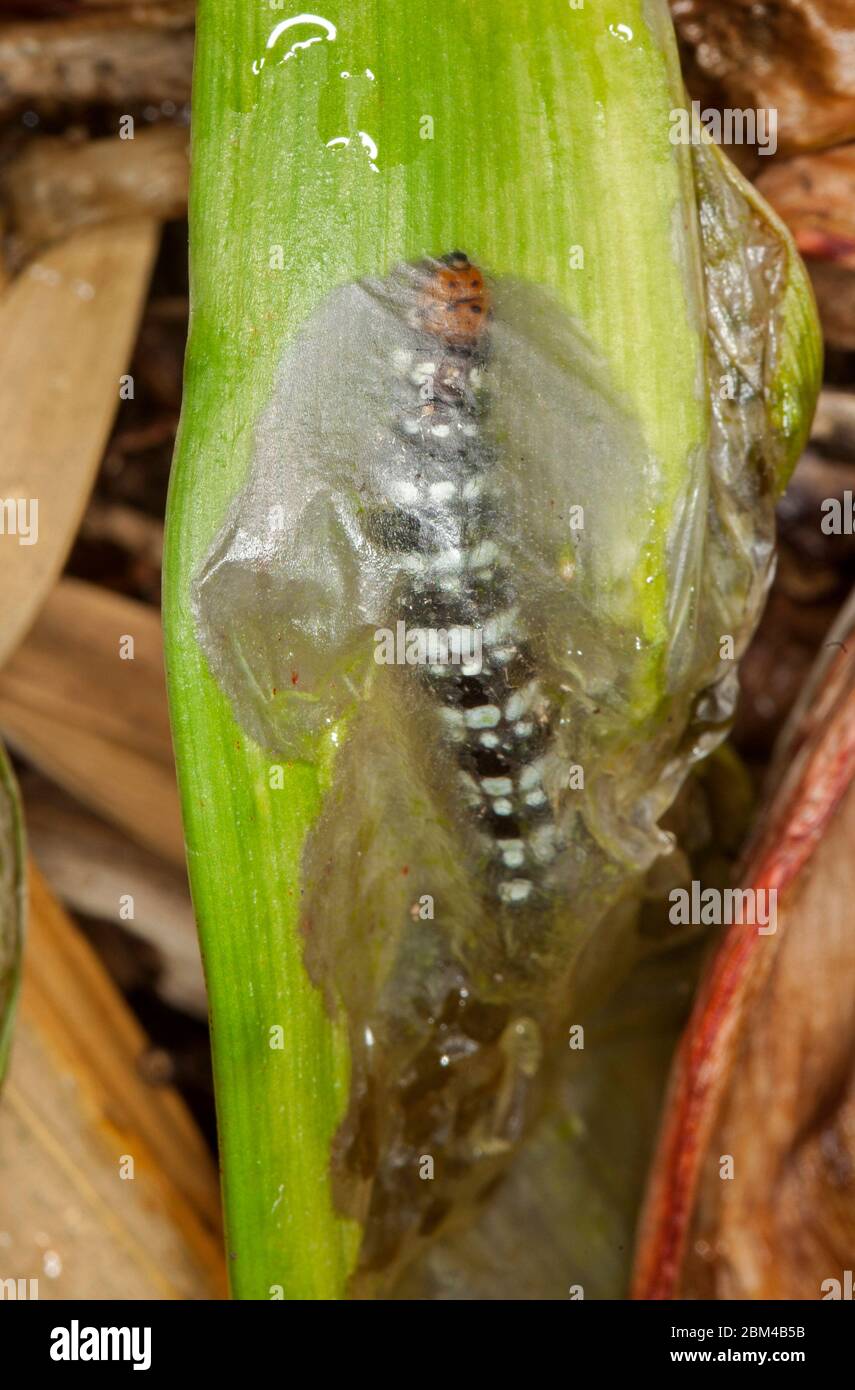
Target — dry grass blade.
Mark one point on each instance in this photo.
(74, 1111)
(119, 58)
(92, 867)
(67, 327)
(56, 187)
(96, 723)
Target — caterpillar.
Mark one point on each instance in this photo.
(444, 508)
(445, 450)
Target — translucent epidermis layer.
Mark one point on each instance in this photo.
(497, 483)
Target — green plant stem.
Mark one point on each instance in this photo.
(535, 137)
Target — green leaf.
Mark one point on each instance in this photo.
(539, 142)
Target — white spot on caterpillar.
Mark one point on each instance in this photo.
(402, 490)
(411, 561)
(512, 852)
(516, 890)
(497, 786)
(442, 492)
(483, 717)
(503, 806)
(450, 559)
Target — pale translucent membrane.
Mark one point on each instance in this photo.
(450, 1014)
(562, 1223)
(291, 594)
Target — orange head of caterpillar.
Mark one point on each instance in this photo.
(454, 301)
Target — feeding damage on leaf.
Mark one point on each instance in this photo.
(432, 587)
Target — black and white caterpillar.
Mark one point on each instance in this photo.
(440, 521)
(441, 452)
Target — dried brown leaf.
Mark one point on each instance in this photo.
(142, 54)
(91, 867)
(796, 57)
(93, 722)
(815, 196)
(67, 328)
(764, 1074)
(55, 187)
(74, 1107)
